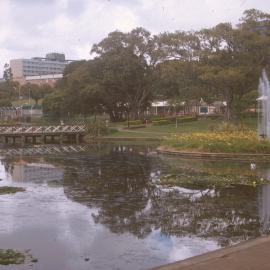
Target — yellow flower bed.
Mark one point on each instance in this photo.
(231, 142)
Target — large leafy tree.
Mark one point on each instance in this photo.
(230, 83)
(139, 41)
(35, 91)
(115, 81)
(129, 69)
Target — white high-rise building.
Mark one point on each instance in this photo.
(53, 63)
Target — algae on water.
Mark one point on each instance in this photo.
(210, 180)
(10, 190)
(10, 256)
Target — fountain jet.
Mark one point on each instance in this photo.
(264, 107)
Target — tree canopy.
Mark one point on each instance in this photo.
(131, 69)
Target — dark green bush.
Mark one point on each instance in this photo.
(134, 122)
(183, 119)
(161, 122)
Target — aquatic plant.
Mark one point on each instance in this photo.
(11, 256)
(10, 190)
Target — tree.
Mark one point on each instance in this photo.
(230, 83)
(130, 69)
(7, 74)
(179, 79)
(36, 92)
(124, 84)
(53, 103)
(179, 45)
(139, 41)
(115, 82)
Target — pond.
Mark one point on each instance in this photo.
(102, 207)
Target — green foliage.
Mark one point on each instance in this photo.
(97, 128)
(171, 119)
(189, 180)
(9, 89)
(134, 122)
(10, 256)
(36, 92)
(231, 127)
(7, 74)
(131, 69)
(5, 102)
(115, 82)
(161, 122)
(184, 119)
(53, 103)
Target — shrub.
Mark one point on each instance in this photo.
(134, 122)
(135, 127)
(230, 127)
(184, 119)
(214, 116)
(97, 128)
(161, 122)
(171, 119)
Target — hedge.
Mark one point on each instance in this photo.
(161, 122)
(134, 122)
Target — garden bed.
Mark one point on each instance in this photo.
(224, 144)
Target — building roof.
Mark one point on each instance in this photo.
(44, 77)
(160, 104)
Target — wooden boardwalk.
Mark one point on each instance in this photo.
(42, 134)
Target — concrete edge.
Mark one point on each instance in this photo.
(213, 254)
(241, 156)
(129, 139)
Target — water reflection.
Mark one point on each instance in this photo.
(264, 207)
(121, 185)
(37, 172)
(111, 194)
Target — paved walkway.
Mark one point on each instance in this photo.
(250, 255)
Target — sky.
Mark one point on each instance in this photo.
(30, 28)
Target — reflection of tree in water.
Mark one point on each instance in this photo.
(9, 162)
(118, 185)
(229, 215)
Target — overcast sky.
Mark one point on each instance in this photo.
(34, 27)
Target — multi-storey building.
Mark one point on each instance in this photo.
(51, 67)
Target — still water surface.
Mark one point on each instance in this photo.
(102, 208)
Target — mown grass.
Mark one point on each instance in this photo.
(202, 125)
(25, 101)
(10, 190)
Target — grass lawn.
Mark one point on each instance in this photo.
(21, 102)
(202, 125)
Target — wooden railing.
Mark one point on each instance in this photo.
(44, 150)
(43, 130)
